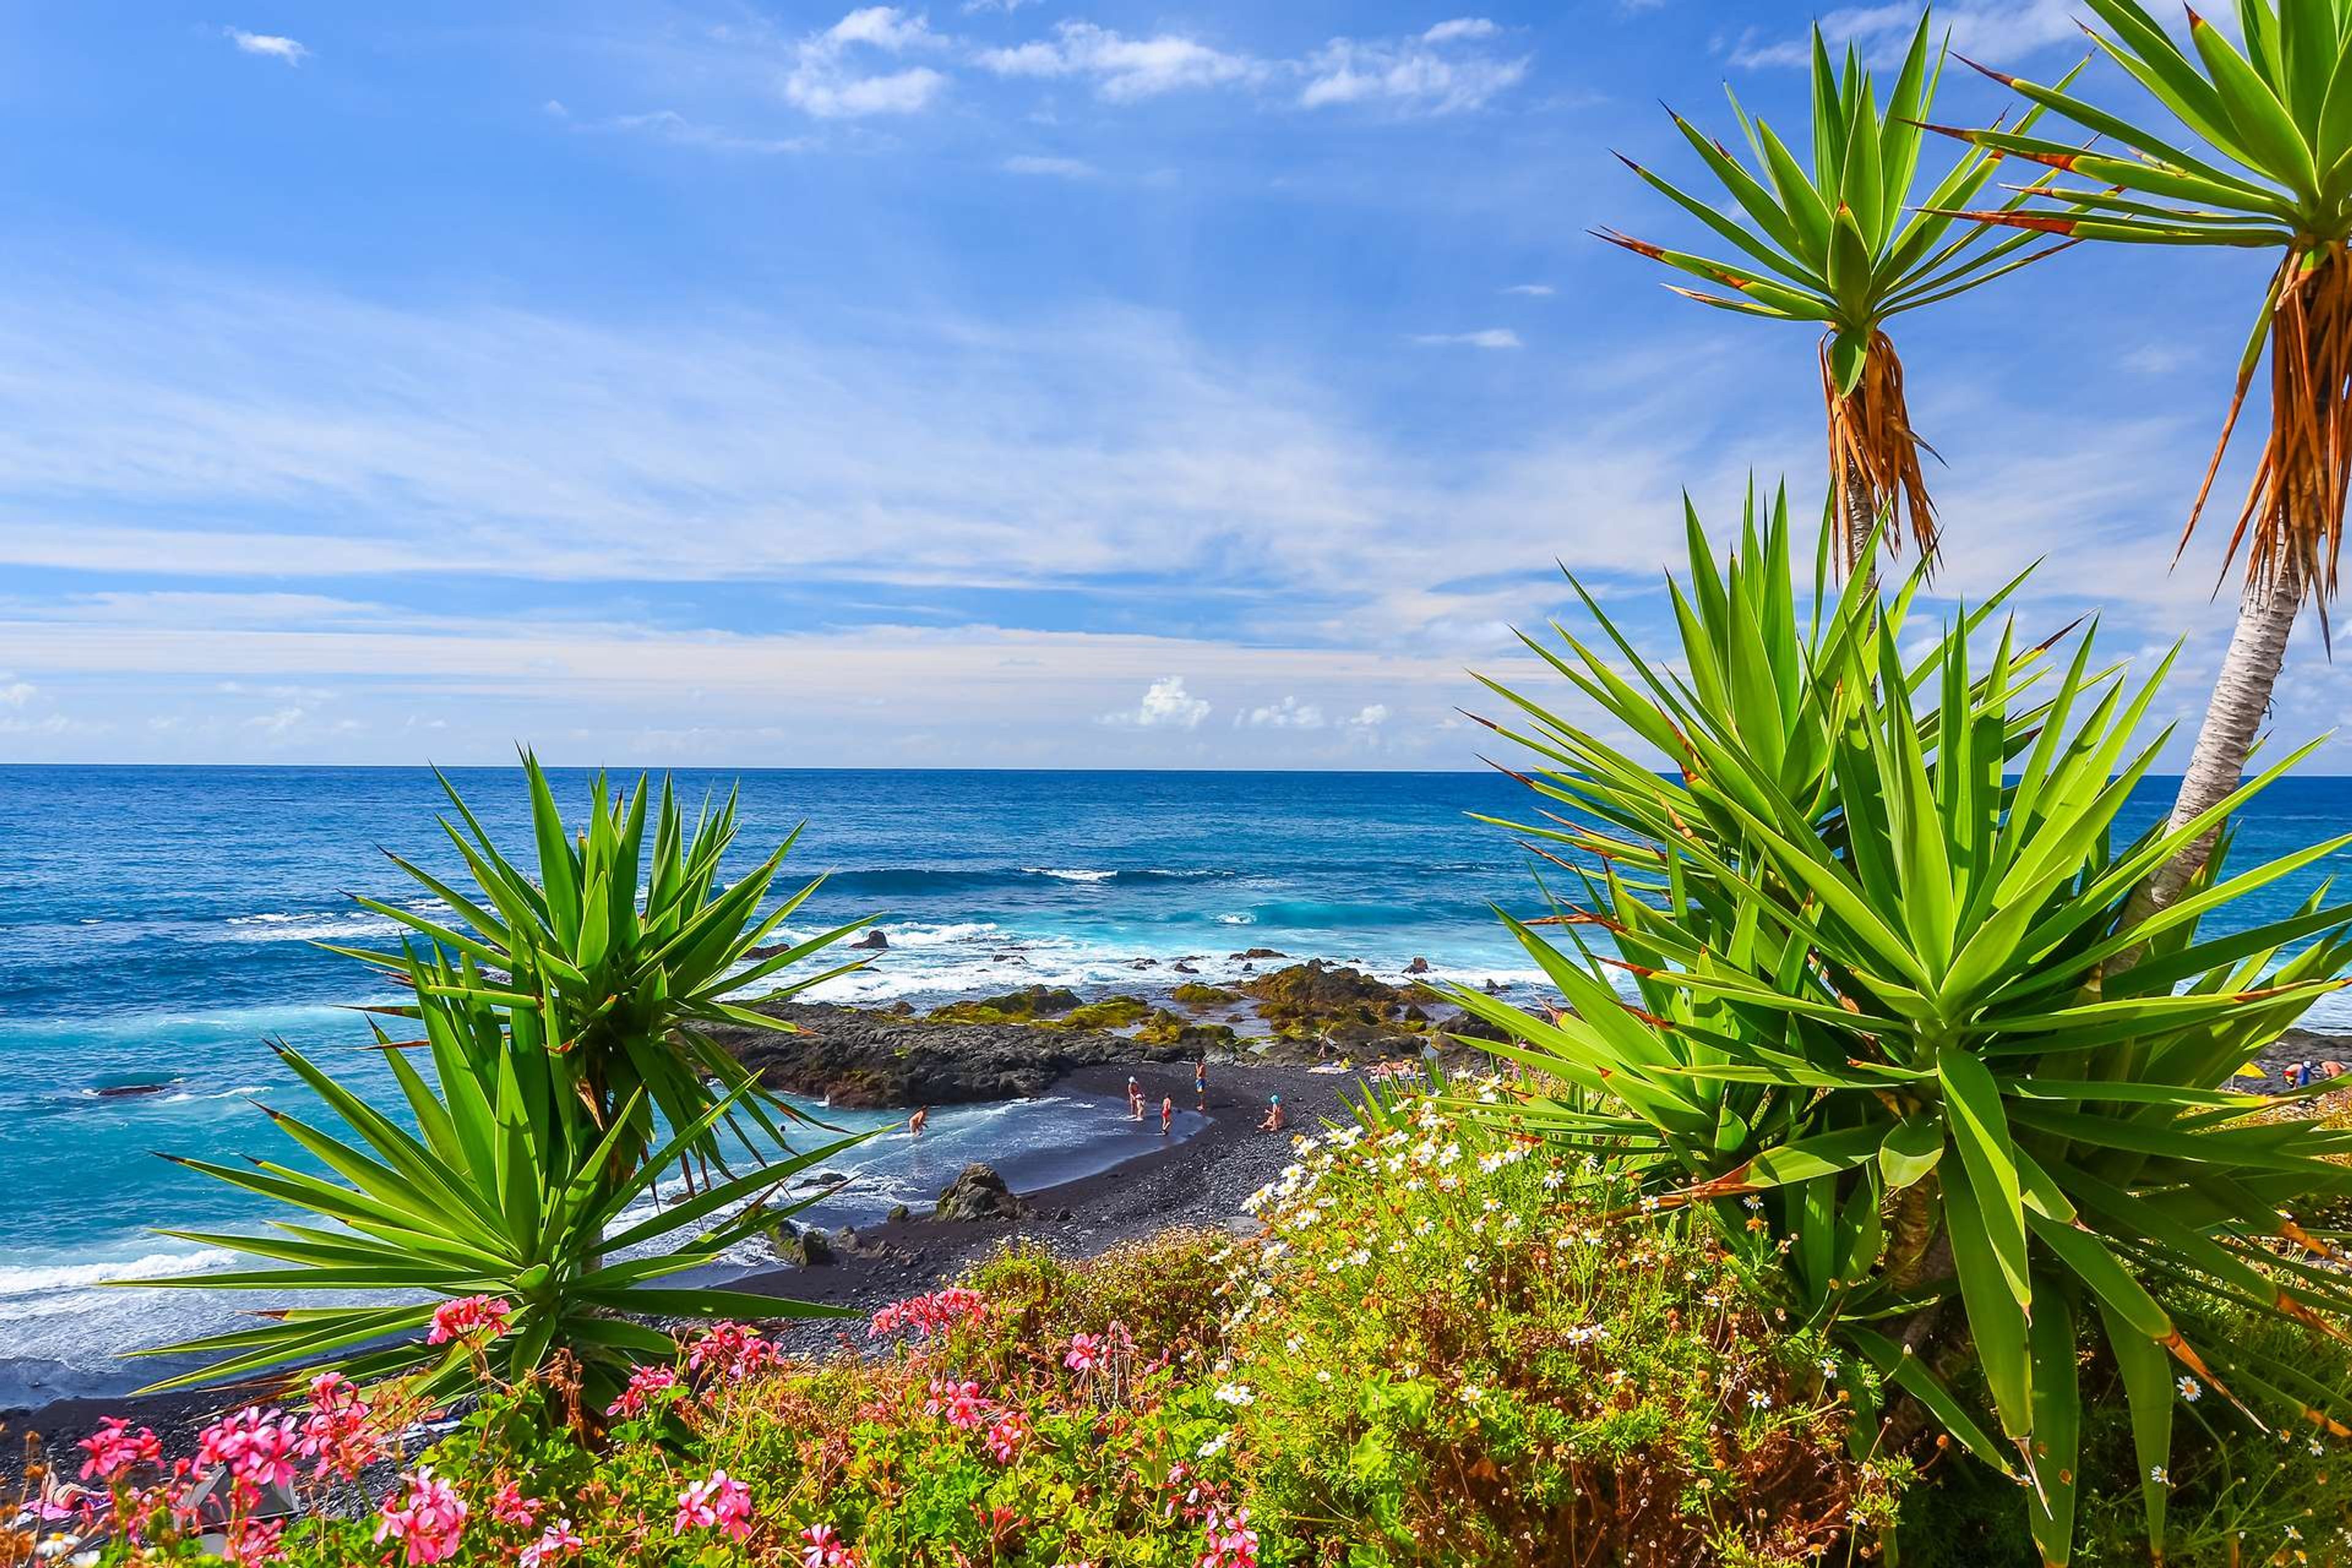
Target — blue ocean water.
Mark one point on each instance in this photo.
(156, 925)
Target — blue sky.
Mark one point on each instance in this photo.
(1038, 383)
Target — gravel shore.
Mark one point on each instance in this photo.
(1196, 1181)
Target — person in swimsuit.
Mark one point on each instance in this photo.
(1167, 1113)
(1273, 1118)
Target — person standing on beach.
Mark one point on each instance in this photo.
(1201, 1082)
(1134, 1100)
(1167, 1113)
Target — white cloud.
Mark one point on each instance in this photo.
(670, 125)
(1166, 705)
(1060, 168)
(267, 45)
(1001, 7)
(1532, 291)
(884, 28)
(825, 80)
(1288, 714)
(1123, 68)
(1373, 716)
(1421, 74)
(1987, 29)
(1460, 27)
(1489, 338)
(16, 693)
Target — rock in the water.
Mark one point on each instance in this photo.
(1418, 966)
(1145, 963)
(859, 1060)
(1184, 968)
(1316, 998)
(805, 1249)
(873, 940)
(1025, 1005)
(1261, 952)
(978, 1193)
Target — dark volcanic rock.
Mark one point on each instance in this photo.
(862, 1059)
(1418, 966)
(1262, 952)
(1470, 1027)
(978, 1193)
(873, 940)
(1343, 1005)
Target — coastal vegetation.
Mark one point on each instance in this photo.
(564, 1018)
(1875, 1180)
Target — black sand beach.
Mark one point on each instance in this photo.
(1197, 1181)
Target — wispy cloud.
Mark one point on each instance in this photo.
(1428, 73)
(1058, 168)
(826, 79)
(269, 46)
(1489, 338)
(1532, 291)
(1987, 29)
(1123, 68)
(1287, 715)
(669, 125)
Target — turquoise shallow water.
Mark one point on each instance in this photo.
(156, 925)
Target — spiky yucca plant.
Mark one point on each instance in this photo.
(2253, 151)
(1866, 914)
(1849, 244)
(624, 951)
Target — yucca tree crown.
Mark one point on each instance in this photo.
(1846, 242)
(2273, 172)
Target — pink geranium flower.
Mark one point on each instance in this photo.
(1006, 1436)
(1085, 1351)
(719, 1501)
(960, 1403)
(256, 1446)
(644, 1383)
(821, 1547)
(729, 1351)
(554, 1542)
(1228, 1541)
(338, 1434)
(427, 1518)
(935, 1314)
(114, 1448)
(468, 1318)
(513, 1509)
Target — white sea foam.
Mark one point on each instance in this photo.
(1244, 919)
(1066, 876)
(314, 927)
(40, 1279)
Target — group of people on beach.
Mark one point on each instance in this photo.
(2302, 1075)
(1273, 1121)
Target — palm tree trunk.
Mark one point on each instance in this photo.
(2242, 695)
(1861, 517)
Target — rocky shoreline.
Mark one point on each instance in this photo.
(1019, 1044)
(1297, 1031)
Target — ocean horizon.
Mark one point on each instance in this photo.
(158, 926)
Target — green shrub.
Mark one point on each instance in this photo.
(1448, 1350)
(1895, 982)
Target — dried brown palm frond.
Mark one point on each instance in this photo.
(1874, 453)
(2291, 524)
